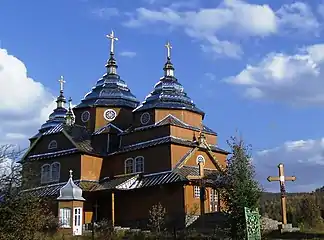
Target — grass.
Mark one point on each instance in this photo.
(296, 235)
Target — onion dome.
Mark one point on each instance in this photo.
(168, 93)
(59, 113)
(110, 90)
(70, 191)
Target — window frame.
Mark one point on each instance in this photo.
(49, 147)
(196, 192)
(59, 171)
(128, 165)
(64, 216)
(135, 164)
(48, 179)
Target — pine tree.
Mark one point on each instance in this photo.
(241, 188)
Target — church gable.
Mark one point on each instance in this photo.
(50, 144)
(189, 156)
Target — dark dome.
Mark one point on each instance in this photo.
(110, 90)
(168, 93)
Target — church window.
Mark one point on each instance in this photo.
(55, 170)
(46, 173)
(145, 118)
(200, 159)
(110, 115)
(139, 164)
(196, 191)
(52, 144)
(65, 217)
(129, 165)
(85, 116)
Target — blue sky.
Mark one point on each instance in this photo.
(252, 66)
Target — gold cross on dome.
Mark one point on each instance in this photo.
(112, 37)
(169, 47)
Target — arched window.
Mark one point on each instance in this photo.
(139, 164)
(65, 218)
(129, 165)
(46, 173)
(52, 144)
(55, 170)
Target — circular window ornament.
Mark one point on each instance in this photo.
(110, 115)
(200, 159)
(145, 118)
(85, 116)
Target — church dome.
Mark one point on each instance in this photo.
(70, 191)
(110, 90)
(59, 113)
(168, 93)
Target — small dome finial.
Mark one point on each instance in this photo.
(71, 173)
(61, 99)
(69, 119)
(169, 47)
(61, 80)
(168, 66)
(111, 64)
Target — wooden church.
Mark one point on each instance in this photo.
(126, 156)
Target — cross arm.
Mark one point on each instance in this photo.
(292, 178)
(272, 179)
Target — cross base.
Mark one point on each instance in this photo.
(283, 228)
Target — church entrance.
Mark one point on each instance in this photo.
(77, 221)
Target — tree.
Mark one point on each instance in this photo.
(157, 218)
(312, 217)
(22, 216)
(241, 188)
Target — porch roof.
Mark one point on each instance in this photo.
(133, 181)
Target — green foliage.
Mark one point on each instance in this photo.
(241, 188)
(303, 209)
(23, 217)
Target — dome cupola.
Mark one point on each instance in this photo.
(168, 93)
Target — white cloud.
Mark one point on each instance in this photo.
(128, 54)
(106, 13)
(302, 158)
(296, 79)
(298, 16)
(233, 18)
(25, 103)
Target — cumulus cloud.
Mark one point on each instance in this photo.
(295, 79)
(302, 158)
(25, 103)
(298, 16)
(232, 18)
(128, 54)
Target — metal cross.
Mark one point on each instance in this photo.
(169, 47)
(112, 37)
(282, 178)
(61, 80)
(71, 173)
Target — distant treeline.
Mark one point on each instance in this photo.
(303, 209)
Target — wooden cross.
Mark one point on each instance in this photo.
(112, 37)
(282, 178)
(169, 47)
